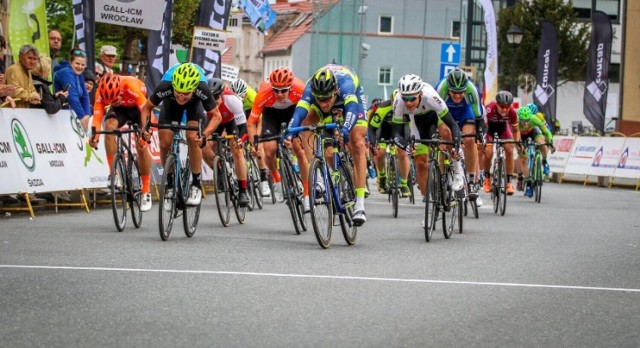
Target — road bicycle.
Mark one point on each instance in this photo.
(125, 179)
(534, 162)
(441, 199)
(176, 183)
(393, 177)
(253, 178)
(292, 190)
(499, 175)
(226, 188)
(468, 203)
(331, 189)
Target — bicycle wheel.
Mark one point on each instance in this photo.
(250, 187)
(503, 188)
(119, 192)
(191, 213)
(168, 197)
(271, 190)
(449, 213)
(393, 186)
(537, 182)
(255, 174)
(348, 200)
(433, 199)
(135, 192)
(320, 202)
(495, 186)
(289, 189)
(221, 190)
(241, 212)
(411, 181)
(300, 204)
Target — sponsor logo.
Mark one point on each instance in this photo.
(598, 87)
(23, 145)
(544, 91)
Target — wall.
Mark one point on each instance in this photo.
(631, 84)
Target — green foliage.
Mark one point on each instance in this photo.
(573, 39)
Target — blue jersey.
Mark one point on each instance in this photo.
(349, 99)
(469, 108)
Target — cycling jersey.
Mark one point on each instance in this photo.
(349, 100)
(496, 123)
(133, 93)
(249, 99)
(164, 90)
(472, 99)
(535, 122)
(265, 98)
(231, 107)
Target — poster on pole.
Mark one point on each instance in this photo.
(229, 72)
(209, 39)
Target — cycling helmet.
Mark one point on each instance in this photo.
(410, 84)
(533, 107)
(524, 114)
(281, 78)
(186, 78)
(457, 80)
(323, 83)
(216, 86)
(109, 87)
(504, 98)
(239, 87)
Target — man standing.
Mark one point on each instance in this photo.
(106, 60)
(55, 43)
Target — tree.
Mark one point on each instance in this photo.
(573, 39)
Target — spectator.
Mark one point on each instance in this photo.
(106, 60)
(50, 103)
(6, 93)
(19, 74)
(55, 43)
(3, 46)
(90, 83)
(70, 73)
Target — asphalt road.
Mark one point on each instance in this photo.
(565, 272)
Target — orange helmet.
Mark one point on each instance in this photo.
(281, 78)
(109, 87)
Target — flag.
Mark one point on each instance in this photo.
(28, 26)
(84, 21)
(597, 82)
(259, 13)
(491, 66)
(544, 95)
(158, 51)
(213, 14)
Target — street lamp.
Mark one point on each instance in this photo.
(514, 37)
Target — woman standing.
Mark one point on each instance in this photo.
(69, 73)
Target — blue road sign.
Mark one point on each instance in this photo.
(450, 53)
(445, 68)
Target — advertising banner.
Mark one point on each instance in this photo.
(544, 95)
(210, 39)
(158, 51)
(607, 156)
(558, 159)
(28, 23)
(143, 14)
(629, 162)
(583, 155)
(491, 67)
(597, 81)
(212, 14)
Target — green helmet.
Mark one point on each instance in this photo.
(457, 80)
(186, 78)
(524, 114)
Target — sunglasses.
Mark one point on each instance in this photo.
(323, 99)
(183, 94)
(280, 90)
(79, 53)
(457, 93)
(409, 98)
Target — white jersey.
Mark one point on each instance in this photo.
(233, 105)
(430, 101)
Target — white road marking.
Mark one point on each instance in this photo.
(313, 276)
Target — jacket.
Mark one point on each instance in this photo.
(50, 103)
(78, 97)
(16, 75)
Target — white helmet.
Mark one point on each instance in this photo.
(239, 87)
(410, 84)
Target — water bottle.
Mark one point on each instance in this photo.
(372, 171)
(294, 161)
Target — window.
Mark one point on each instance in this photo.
(385, 25)
(610, 7)
(384, 76)
(455, 29)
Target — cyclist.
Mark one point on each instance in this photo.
(499, 113)
(248, 96)
(381, 127)
(233, 122)
(532, 128)
(427, 112)
(125, 96)
(184, 88)
(465, 105)
(335, 90)
(276, 100)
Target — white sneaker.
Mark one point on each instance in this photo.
(277, 191)
(479, 201)
(264, 189)
(458, 179)
(167, 200)
(146, 202)
(305, 204)
(195, 196)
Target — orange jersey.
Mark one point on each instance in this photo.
(266, 99)
(133, 93)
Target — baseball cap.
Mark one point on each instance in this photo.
(108, 50)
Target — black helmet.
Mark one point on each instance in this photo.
(215, 84)
(457, 80)
(504, 98)
(323, 83)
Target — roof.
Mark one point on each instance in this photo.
(227, 57)
(286, 37)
